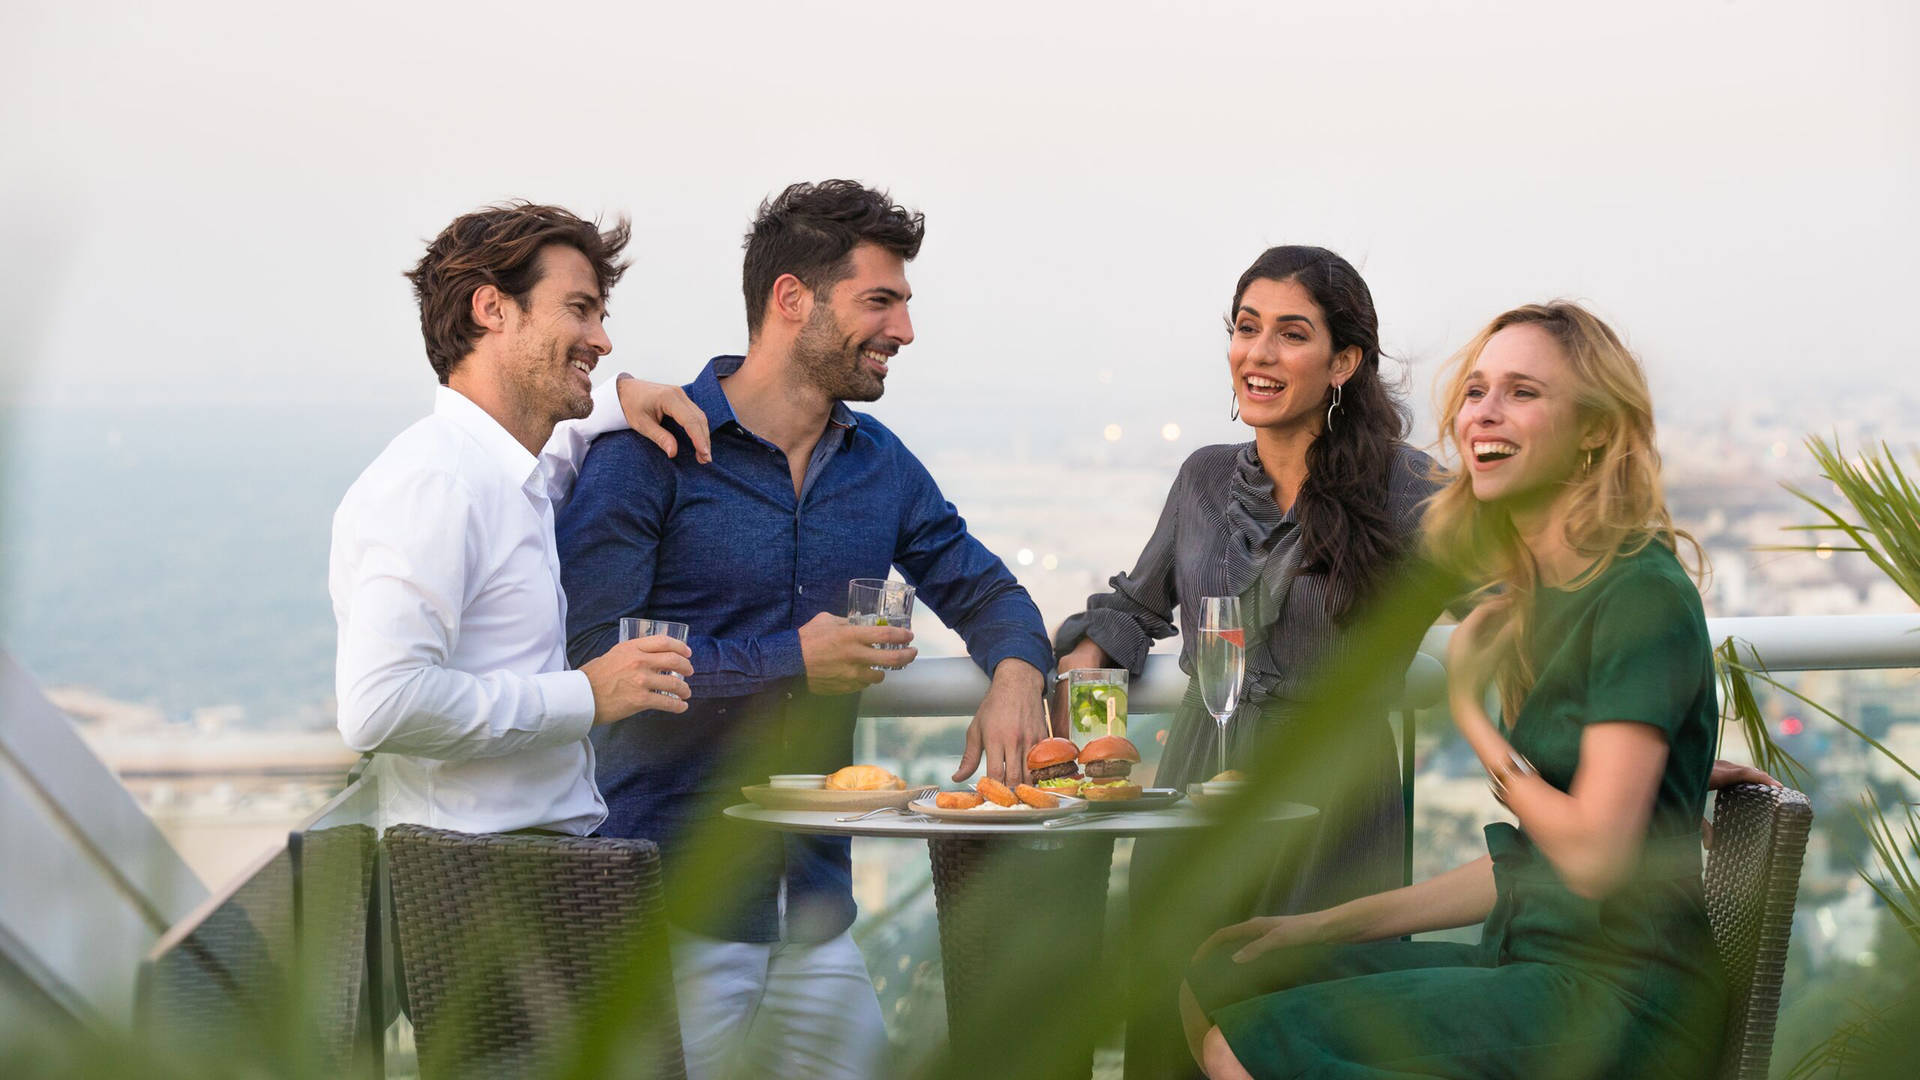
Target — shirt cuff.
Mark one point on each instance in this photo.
(1033, 653)
(1120, 638)
(780, 656)
(567, 702)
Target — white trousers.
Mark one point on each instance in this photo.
(777, 1009)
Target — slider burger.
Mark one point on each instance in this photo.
(1107, 761)
(1051, 768)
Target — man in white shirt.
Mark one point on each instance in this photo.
(444, 575)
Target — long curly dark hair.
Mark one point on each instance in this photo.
(1345, 530)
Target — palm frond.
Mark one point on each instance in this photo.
(1741, 707)
(1900, 890)
(1762, 675)
(1884, 500)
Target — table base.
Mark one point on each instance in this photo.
(996, 894)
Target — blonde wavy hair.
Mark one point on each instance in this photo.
(1616, 505)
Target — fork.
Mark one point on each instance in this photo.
(922, 793)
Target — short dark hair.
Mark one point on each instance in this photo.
(810, 231)
(500, 245)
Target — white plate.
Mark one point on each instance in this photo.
(773, 798)
(987, 813)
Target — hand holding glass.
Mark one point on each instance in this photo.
(640, 628)
(1220, 661)
(877, 602)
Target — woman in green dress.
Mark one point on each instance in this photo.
(1595, 956)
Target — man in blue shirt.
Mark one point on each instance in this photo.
(754, 552)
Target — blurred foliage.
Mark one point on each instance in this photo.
(1878, 1032)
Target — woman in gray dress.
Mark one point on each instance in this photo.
(1304, 524)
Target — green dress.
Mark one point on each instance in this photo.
(1559, 985)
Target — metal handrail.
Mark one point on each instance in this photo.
(953, 686)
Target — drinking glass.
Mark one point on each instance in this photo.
(1095, 696)
(639, 628)
(878, 602)
(1220, 661)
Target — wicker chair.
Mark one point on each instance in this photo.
(1752, 876)
(519, 953)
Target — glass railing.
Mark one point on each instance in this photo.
(272, 972)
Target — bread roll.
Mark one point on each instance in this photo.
(865, 778)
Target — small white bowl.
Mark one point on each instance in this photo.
(1220, 788)
(812, 780)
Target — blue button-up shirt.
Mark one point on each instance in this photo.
(727, 549)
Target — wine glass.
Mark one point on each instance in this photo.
(1220, 661)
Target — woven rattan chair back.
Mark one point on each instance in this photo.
(1752, 877)
(520, 951)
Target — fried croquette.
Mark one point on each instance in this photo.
(957, 800)
(995, 791)
(1034, 797)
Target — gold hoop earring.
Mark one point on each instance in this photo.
(1589, 460)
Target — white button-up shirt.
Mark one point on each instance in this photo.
(452, 660)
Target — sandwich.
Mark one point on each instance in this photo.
(1108, 761)
(1051, 766)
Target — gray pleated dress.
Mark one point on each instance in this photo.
(1222, 534)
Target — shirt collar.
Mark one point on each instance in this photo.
(707, 393)
(505, 450)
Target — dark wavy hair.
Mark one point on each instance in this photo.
(500, 246)
(810, 231)
(1346, 532)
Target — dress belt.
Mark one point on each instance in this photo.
(1673, 857)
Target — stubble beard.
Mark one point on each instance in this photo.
(830, 360)
(548, 388)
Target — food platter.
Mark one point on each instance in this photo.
(772, 798)
(1153, 798)
(989, 814)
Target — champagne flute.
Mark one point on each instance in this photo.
(1220, 661)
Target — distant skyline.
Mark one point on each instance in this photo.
(204, 333)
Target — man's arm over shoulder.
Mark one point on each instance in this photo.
(609, 539)
(407, 550)
(969, 587)
(610, 536)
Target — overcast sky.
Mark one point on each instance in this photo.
(210, 204)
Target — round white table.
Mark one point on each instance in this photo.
(993, 879)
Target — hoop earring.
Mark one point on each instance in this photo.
(1589, 467)
(1333, 407)
(1234, 412)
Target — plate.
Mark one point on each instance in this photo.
(1153, 798)
(1015, 816)
(773, 798)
